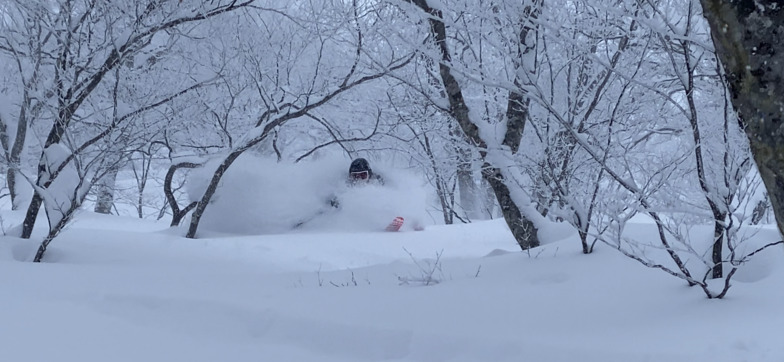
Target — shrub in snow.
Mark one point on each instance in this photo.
(429, 271)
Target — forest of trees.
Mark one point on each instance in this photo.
(589, 112)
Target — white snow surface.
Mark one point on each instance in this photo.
(121, 289)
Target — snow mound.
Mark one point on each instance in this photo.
(262, 196)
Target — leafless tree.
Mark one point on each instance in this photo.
(298, 87)
(81, 45)
(747, 36)
(78, 72)
(512, 200)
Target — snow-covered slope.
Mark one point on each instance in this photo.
(117, 289)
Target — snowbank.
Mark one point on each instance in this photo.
(124, 289)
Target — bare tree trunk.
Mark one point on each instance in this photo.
(465, 183)
(710, 193)
(142, 175)
(57, 228)
(522, 228)
(44, 181)
(13, 190)
(54, 231)
(447, 209)
(747, 37)
(177, 214)
(759, 211)
(10, 178)
(717, 271)
(211, 188)
(15, 152)
(105, 190)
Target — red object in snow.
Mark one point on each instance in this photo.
(395, 224)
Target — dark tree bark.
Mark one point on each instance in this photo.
(177, 213)
(759, 211)
(198, 211)
(719, 215)
(55, 230)
(522, 228)
(747, 35)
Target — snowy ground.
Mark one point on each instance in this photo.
(121, 289)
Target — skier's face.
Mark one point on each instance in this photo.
(359, 176)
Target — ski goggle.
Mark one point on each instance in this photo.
(360, 175)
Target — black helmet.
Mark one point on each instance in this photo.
(359, 165)
(360, 170)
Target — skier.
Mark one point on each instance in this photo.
(359, 172)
